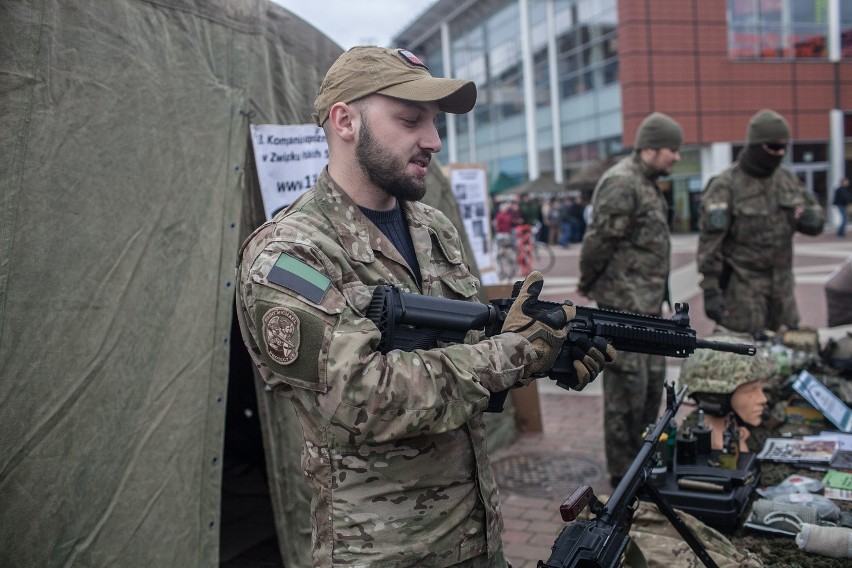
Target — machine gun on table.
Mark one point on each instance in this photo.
(602, 541)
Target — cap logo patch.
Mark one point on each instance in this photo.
(281, 335)
(411, 58)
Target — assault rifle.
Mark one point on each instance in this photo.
(414, 321)
(602, 541)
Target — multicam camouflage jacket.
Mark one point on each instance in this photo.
(395, 449)
(748, 223)
(625, 259)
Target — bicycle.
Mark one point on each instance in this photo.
(520, 252)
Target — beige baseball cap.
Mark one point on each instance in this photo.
(398, 73)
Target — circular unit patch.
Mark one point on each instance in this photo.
(281, 335)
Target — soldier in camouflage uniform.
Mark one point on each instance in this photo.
(749, 214)
(395, 448)
(624, 265)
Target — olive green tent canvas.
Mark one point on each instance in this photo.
(124, 196)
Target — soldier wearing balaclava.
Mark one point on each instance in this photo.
(749, 214)
(624, 265)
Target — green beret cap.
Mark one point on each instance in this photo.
(767, 126)
(658, 130)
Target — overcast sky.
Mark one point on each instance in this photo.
(357, 22)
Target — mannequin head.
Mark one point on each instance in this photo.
(748, 402)
(722, 383)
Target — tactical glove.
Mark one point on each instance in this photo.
(543, 324)
(714, 304)
(588, 357)
(810, 222)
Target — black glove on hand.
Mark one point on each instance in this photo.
(588, 357)
(544, 324)
(810, 222)
(714, 304)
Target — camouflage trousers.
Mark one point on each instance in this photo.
(759, 301)
(633, 389)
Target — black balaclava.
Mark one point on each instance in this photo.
(766, 126)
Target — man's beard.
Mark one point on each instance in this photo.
(385, 170)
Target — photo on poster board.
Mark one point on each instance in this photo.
(288, 159)
(469, 183)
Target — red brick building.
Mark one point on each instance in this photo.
(712, 64)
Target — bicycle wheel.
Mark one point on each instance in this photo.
(506, 264)
(543, 257)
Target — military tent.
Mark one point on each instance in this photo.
(123, 200)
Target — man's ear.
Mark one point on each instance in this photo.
(342, 118)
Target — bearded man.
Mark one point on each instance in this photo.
(624, 265)
(395, 449)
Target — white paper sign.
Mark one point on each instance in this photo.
(470, 187)
(289, 159)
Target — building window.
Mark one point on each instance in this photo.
(778, 29)
(846, 30)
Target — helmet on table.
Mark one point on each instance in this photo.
(711, 377)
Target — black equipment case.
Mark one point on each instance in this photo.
(718, 497)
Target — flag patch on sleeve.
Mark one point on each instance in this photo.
(293, 274)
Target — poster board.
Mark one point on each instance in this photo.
(469, 183)
(289, 159)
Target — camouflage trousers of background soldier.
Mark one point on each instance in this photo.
(633, 390)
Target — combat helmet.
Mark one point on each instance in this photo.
(719, 374)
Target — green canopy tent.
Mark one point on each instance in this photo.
(123, 200)
(502, 182)
(542, 185)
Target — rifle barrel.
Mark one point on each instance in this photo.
(739, 348)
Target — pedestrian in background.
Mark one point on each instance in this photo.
(624, 265)
(551, 213)
(530, 210)
(575, 219)
(749, 214)
(565, 227)
(842, 197)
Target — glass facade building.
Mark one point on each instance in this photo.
(486, 47)
(564, 84)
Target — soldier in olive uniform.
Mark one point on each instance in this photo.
(395, 448)
(624, 265)
(749, 214)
